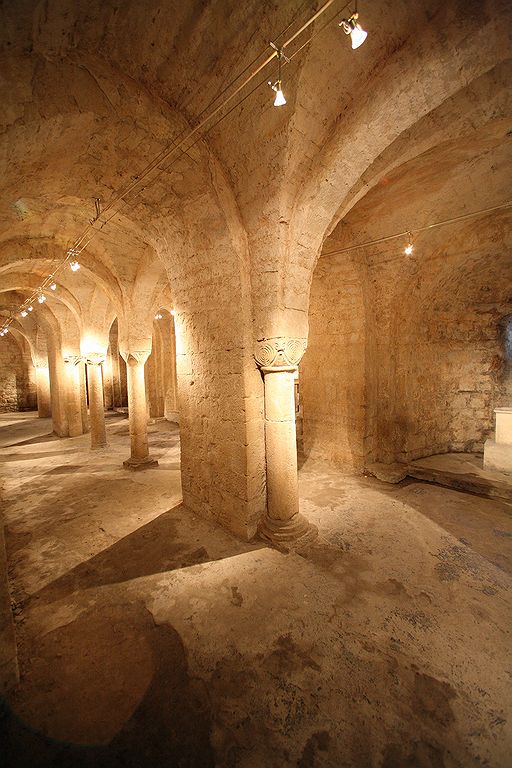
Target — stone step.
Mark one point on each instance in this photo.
(494, 489)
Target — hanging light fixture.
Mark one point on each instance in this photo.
(409, 248)
(23, 313)
(158, 316)
(53, 286)
(277, 87)
(29, 309)
(352, 27)
(41, 298)
(73, 264)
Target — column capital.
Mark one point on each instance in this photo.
(281, 353)
(95, 358)
(73, 359)
(135, 357)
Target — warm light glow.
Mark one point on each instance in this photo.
(41, 298)
(74, 265)
(29, 309)
(173, 312)
(358, 36)
(279, 100)
(409, 249)
(92, 344)
(158, 316)
(23, 313)
(53, 286)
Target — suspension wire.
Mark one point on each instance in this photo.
(253, 62)
(435, 225)
(176, 145)
(202, 122)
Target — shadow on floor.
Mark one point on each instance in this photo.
(167, 543)
(48, 437)
(7, 457)
(116, 690)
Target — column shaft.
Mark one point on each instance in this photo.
(280, 442)
(137, 414)
(282, 524)
(73, 399)
(96, 405)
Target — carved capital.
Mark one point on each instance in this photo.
(282, 352)
(95, 358)
(72, 359)
(138, 357)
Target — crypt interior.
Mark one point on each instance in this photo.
(256, 383)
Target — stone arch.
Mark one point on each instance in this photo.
(384, 113)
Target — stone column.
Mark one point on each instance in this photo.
(44, 409)
(57, 390)
(137, 412)
(96, 403)
(73, 395)
(282, 525)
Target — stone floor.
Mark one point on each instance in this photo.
(149, 637)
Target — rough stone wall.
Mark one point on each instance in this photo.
(332, 372)
(17, 382)
(406, 358)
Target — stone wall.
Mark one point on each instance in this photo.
(406, 357)
(17, 377)
(332, 372)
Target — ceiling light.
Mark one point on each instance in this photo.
(158, 316)
(173, 312)
(74, 265)
(29, 309)
(279, 100)
(53, 286)
(23, 313)
(352, 27)
(41, 298)
(409, 248)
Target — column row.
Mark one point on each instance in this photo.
(63, 395)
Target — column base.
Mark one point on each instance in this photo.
(99, 447)
(287, 534)
(136, 465)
